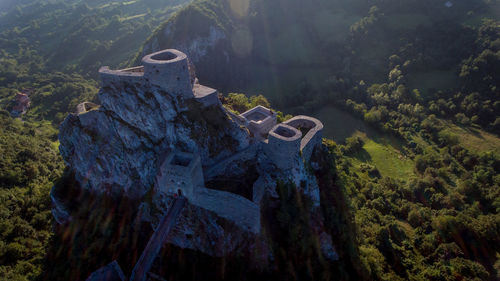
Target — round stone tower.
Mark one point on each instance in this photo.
(283, 146)
(169, 69)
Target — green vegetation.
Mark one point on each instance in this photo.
(239, 103)
(389, 161)
(79, 36)
(408, 89)
(441, 223)
(28, 167)
(428, 210)
(472, 138)
(42, 53)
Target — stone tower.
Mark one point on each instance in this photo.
(169, 69)
(283, 146)
(181, 173)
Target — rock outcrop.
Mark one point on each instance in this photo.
(158, 134)
(116, 148)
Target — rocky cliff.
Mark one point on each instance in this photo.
(157, 134)
(116, 148)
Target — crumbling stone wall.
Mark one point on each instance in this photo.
(120, 77)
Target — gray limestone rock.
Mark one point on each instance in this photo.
(120, 147)
(116, 148)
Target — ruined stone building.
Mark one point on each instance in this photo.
(158, 131)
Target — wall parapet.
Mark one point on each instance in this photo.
(181, 172)
(206, 95)
(109, 76)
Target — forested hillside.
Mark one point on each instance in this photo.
(52, 50)
(447, 53)
(409, 91)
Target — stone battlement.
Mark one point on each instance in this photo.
(230, 206)
(109, 76)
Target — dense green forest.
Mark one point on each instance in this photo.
(408, 90)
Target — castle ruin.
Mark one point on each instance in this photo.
(276, 151)
(181, 173)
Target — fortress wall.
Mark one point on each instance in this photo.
(312, 138)
(230, 206)
(259, 187)
(171, 179)
(263, 127)
(169, 70)
(283, 146)
(118, 77)
(308, 146)
(208, 100)
(207, 96)
(237, 118)
(197, 174)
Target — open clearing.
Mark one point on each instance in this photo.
(389, 160)
(382, 151)
(475, 139)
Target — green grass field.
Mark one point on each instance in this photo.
(475, 139)
(381, 151)
(388, 160)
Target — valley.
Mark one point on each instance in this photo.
(407, 91)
